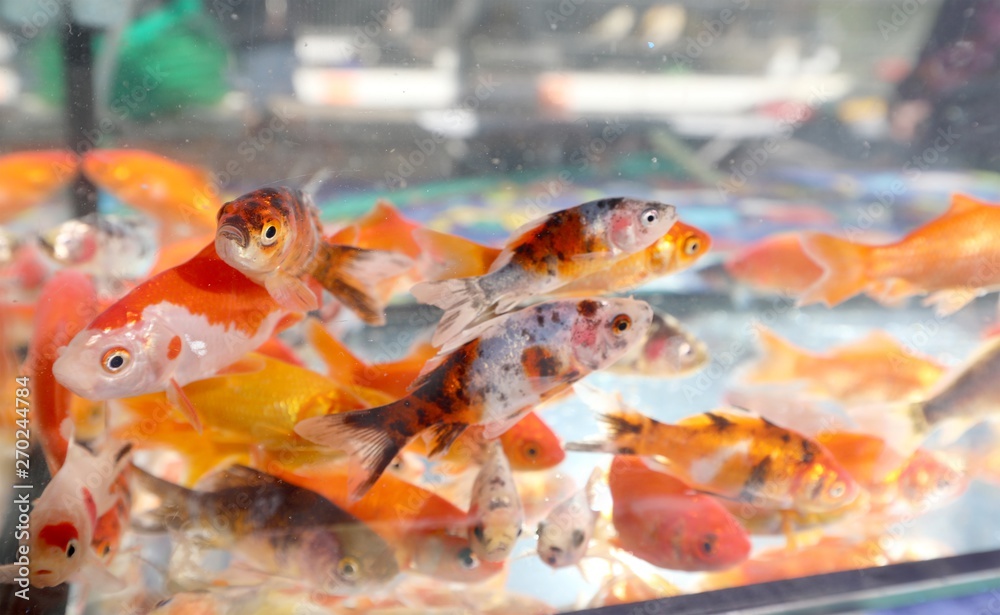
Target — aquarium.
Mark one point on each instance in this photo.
(468, 306)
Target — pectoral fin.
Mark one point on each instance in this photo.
(179, 399)
(291, 293)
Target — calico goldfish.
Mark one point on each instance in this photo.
(179, 326)
(28, 178)
(670, 351)
(662, 520)
(279, 528)
(496, 515)
(914, 264)
(545, 254)
(566, 531)
(170, 191)
(511, 364)
(874, 369)
(274, 237)
(776, 264)
(730, 453)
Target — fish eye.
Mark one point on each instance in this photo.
(467, 559)
(115, 360)
(621, 324)
(348, 568)
(531, 450)
(520, 530)
(837, 490)
(70, 548)
(692, 245)
(708, 544)
(478, 532)
(269, 233)
(578, 538)
(649, 217)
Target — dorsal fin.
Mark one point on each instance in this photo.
(963, 204)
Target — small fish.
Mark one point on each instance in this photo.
(511, 364)
(914, 265)
(670, 351)
(28, 178)
(546, 254)
(777, 264)
(278, 528)
(876, 368)
(104, 246)
(566, 531)
(730, 453)
(171, 191)
(179, 326)
(274, 237)
(496, 516)
(662, 520)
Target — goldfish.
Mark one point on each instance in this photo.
(672, 253)
(914, 264)
(566, 531)
(730, 453)
(179, 326)
(28, 178)
(278, 528)
(662, 520)
(274, 237)
(511, 364)
(876, 368)
(382, 228)
(670, 351)
(545, 254)
(447, 256)
(627, 587)
(170, 191)
(496, 515)
(776, 264)
(110, 248)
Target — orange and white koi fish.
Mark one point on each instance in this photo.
(274, 237)
(496, 515)
(776, 264)
(170, 191)
(28, 178)
(954, 258)
(510, 365)
(545, 254)
(565, 533)
(876, 368)
(670, 351)
(182, 325)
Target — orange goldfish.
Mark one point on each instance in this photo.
(954, 258)
(513, 363)
(877, 368)
(545, 254)
(730, 453)
(661, 519)
(382, 228)
(775, 264)
(169, 190)
(274, 237)
(28, 178)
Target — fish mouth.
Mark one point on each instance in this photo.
(234, 234)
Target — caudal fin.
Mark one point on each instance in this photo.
(462, 300)
(351, 275)
(845, 269)
(622, 432)
(450, 256)
(372, 438)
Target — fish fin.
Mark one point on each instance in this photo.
(463, 301)
(963, 204)
(95, 574)
(495, 429)
(450, 256)
(179, 399)
(903, 425)
(597, 400)
(290, 292)
(442, 435)
(844, 266)
(251, 363)
(366, 436)
(172, 511)
(947, 302)
(780, 358)
(341, 363)
(351, 274)
(892, 292)
(474, 331)
(345, 235)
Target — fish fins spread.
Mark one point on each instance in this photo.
(290, 292)
(351, 274)
(845, 266)
(463, 300)
(372, 438)
(442, 437)
(450, 256)
(179, 399)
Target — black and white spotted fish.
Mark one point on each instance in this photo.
(496, 515)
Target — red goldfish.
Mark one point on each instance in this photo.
(545, 254)
(27, 178)
(776, 264)
(274, 237)
(915, 265)
(662, 520)
(512, 364)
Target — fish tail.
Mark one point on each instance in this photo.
(780, 359)
(845, 269)
(173, 511)
(372, 438)
(341, 363)
(623, 432)
(351, 275)
(463, 301)
(450, 256)
(902, 425)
